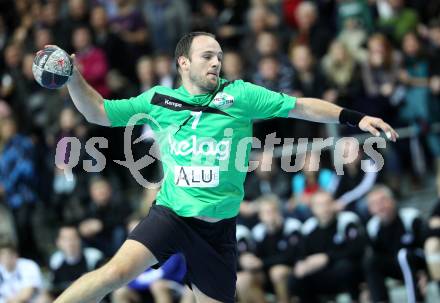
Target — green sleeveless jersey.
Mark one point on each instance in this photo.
(204, 141)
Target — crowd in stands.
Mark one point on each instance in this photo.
(309, 234)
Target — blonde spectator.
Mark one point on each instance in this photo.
(342, 73)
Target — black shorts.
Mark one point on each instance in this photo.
(210, 249)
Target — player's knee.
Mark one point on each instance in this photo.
(432, 245)
(278, 273)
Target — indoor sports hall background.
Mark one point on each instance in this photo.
(380, 57)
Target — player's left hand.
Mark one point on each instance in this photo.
(375, 125)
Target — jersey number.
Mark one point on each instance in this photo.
(197, 116)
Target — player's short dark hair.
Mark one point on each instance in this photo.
(183, 47)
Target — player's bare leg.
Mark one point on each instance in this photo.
(130, 261)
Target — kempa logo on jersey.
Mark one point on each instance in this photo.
(171, 103)
(205, 147)
(223, 100)
(196, 176)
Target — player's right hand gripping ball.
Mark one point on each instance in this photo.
(52, 67)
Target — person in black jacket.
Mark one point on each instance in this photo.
(249, 288)
(101, 219)
(71, 260)
(276, 246)
(332, 248)
(396, 238)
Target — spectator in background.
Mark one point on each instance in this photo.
(50, 19)
(434, 56)
(355, 39)
(27, 87)
(414, 74)
(248, 286)
(232, 66)
(396, 239)
(42, 106)
(358, 178)
(7, 230)
(432, 244)
(269, 75)
(18, 180)
(20, 278)
(276, 245)
(383, 94)
(305, 183)
(3, 40)
(332, 246)
(10, 76)
(110, 43)
(231, 25)
(379, 78)
(68, 189)
(416, 107)
(205, 14)
(355, 12)
(167, 21)
(131, 28)
(146, 74)
(42, 36)
(268, 44)
(342, 74)
(26, 12)
(355, 23)
(71, 260)
(289, 8)
(396, 19)
(163, 67)
(259, 19)
(91, 60)
(101, 224)
(77, 16)
(434, 80)
(310, 32)
(308, 81)
(266, 179)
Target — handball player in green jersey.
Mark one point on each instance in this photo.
(200, 129)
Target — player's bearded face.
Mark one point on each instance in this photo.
(205, 63)
(207, 83)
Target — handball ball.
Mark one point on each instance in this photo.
(52, 67)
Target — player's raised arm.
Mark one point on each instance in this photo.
(317, 110)
(53, 68)
(86, 99)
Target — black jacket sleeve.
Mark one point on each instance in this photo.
(353, 245)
